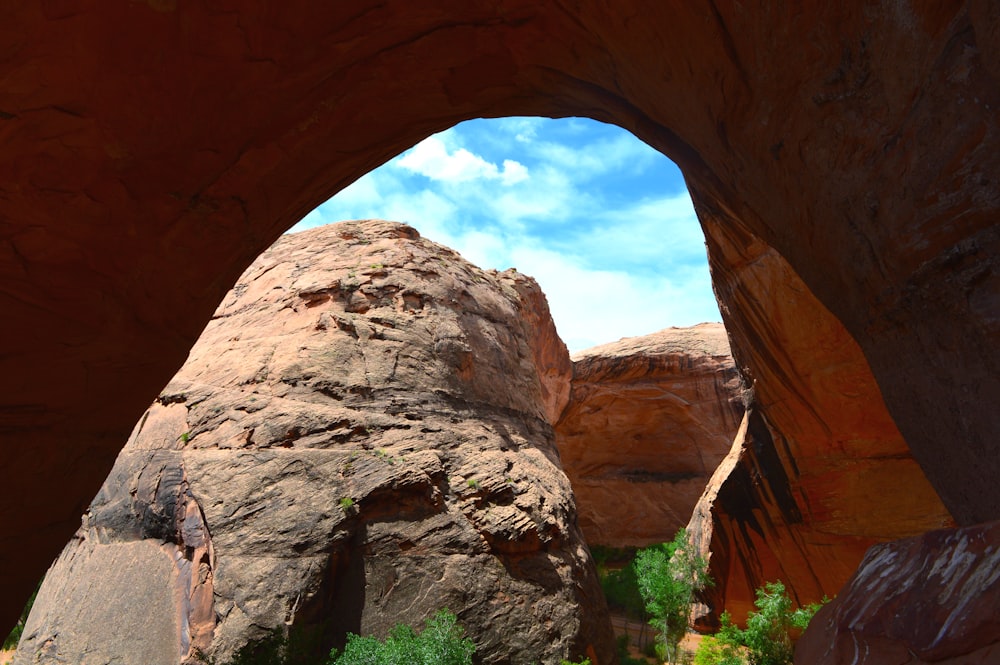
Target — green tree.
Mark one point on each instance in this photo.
(441, 642)
(767, 639)
(669, 575)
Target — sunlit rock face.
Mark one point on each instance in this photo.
(360, 437)
(648, 421)
(929, 599)
(819, 471)
(153, 149)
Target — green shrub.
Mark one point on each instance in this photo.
(441, 642)
(767, 639)
(713, 651)
(629, 660)
(621, 588)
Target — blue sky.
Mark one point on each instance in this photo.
(600, 219)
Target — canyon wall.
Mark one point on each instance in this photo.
(648, 421)
(360, 437)
(819, 471)
(153, 149)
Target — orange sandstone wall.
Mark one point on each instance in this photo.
(648, 421)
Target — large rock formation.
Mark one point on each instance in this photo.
(153, 149)
(930, 599)
(648, 421)
(360, 437)
(819, 471)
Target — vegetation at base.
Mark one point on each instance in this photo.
(767, 639)
(441, 642)
(713, 651)
(624, 657)
(15, 634)
(621, 588)
(669, 576)
(605, 557)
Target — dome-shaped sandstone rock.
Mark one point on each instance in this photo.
(360, 437)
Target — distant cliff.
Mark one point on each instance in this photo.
(648, 421)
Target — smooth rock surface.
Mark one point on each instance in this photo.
(153, 149)
(930, 599)
(359, 438)
(821, 472)
(648, 421)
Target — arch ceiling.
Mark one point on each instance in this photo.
(152, 149)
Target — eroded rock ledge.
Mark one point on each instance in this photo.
(360, 437)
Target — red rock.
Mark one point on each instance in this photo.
(930, 599)
(151, 150)
(359, 438)
(820, 472)
(648, 421)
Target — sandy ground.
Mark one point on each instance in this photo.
(621, 626)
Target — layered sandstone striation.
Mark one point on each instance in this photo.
(929, 599)
(819, 471)
(360, 437)
(153, 149)
(648, 421)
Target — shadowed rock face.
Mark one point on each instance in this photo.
(153, 149)
(648, 421)
(359, 438)
(930, 599)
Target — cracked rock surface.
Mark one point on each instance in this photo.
(360, 437)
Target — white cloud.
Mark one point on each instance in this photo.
(592, 307)
(513, 172)
(431, 158)
(616, 255)
(652, 233)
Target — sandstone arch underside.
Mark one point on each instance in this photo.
(152, 149)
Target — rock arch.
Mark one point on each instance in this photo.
(153, 149)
